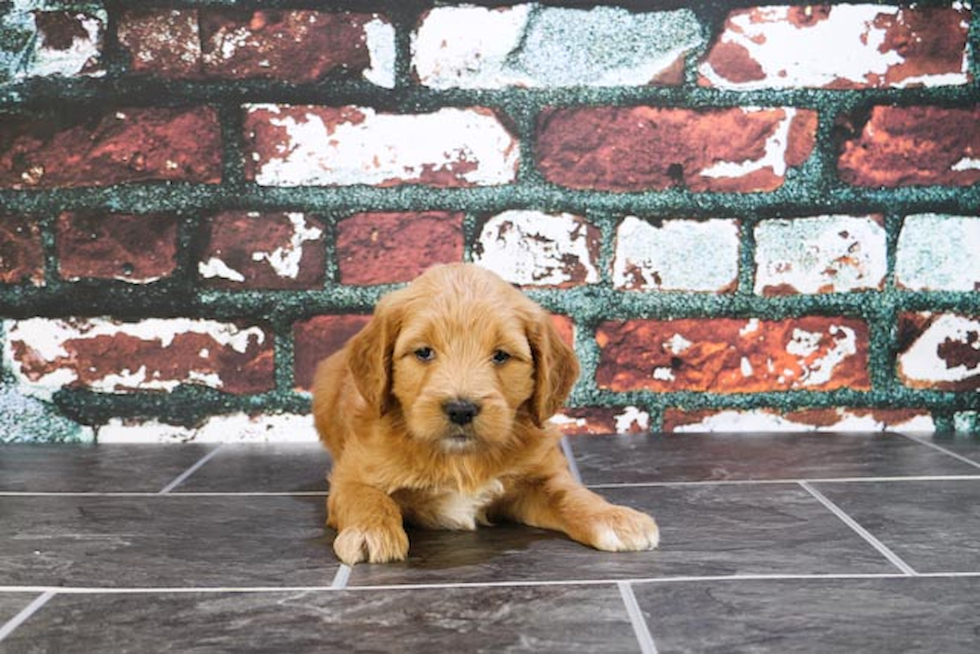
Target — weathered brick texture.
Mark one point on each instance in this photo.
(126, 145)
(137, 249)
(304, 146)
(385, 248)
(747, 217)
(267, 251)
(841, 47)
(293, 46)
(21, 255)
(156, 355)
(905, 146)
(733, 356)
(653, 148)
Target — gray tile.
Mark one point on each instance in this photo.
(964, 445)
(705, 530)
(702, 457)
(164, 540)
(541, 619)
(831, 615)
(94, 468)
(266, 467)
(932, 525)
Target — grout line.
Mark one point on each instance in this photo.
(25, 613)
(640, 628)
(861, 531)
(95, 590)
(158, 493)
(816, 480)
(190, 471)
(566, 448)
(341, 578)
(642, 484)
(923, 441)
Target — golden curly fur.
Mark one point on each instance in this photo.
(436, 413)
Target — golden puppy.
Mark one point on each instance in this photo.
(436, 413)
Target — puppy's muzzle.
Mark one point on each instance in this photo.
(461, 412)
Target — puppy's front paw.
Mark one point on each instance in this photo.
(373, 544)
(622, 529)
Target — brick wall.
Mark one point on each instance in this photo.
(744, 217)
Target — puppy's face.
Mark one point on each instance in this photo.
(458, 356)
(460, 376)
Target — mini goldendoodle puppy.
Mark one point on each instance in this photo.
(436, 414)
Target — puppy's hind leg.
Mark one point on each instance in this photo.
(369, 523)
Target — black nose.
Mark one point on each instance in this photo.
(461, 412)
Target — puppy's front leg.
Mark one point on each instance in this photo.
(559, 502)
(369, 522)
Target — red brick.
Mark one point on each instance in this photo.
(116, 246)
(295, 46)
(128, 145)
(162, 41)
(906, 146)
(876, 47)
(650, 148)
(385, 248)
(151, 355)
(268, 251)
(733, 356)
(565, 327)
(316, 339)
(21, 253)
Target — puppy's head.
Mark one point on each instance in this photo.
(460, 355)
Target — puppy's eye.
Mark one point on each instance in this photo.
(425, 354)
(500, 357)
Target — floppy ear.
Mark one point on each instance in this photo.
(555, 367)
(369, 356)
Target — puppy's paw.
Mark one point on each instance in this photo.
(622, 529)
(374, 545)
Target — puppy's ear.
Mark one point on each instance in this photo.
(370, 352)
(555, 367)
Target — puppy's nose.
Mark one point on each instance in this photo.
(461, 412)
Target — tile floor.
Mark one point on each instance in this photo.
(771, 543)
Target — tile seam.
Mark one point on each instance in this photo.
(883, 549)
(643, 636)
(36, 604)
(96, 590)
(566, 448)
(190, 471)
(600, 486)
(940, 448)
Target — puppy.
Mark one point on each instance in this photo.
(436, 413)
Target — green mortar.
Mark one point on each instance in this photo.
(812, 189)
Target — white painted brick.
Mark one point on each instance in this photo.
(945, 354)
(677, 255)
(823, 254)
(532, 248)
(235, 428)
(40, 58)
(535, 46)
(939, 253)
(842, 420)
(358, 145)
(776, 47)
(46, 355)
